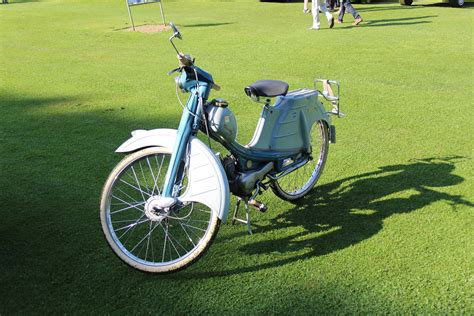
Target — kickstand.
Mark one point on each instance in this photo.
(247, 215)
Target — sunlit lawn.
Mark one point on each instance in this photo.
(388, 229)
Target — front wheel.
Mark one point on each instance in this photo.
(299, 182)
(144, 236)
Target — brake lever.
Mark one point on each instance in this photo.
(174, 70)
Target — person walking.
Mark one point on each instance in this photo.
(316, 6)
(346, 5)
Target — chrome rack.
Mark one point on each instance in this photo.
(325, 89)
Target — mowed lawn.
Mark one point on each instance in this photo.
(388, 229)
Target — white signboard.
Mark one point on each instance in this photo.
(138, 2)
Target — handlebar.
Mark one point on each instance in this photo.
(185, 60)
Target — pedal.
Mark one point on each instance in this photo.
(259, 206)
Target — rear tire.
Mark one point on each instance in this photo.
(298, 183)
(406, 2)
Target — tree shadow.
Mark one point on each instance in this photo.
(25, 102)
(345, 212)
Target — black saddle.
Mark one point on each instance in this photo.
(266, 88)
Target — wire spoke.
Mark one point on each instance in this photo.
(171, 242)
(144, 178)
(159, 173)
(191, 226)
(138, 183)
(131, 227)
(164, 242)
(140, 190)
(152, 175)
(177, 242)
(148, 242)
(189, 237)
(125, 193)
(129, 207)
(142, 240)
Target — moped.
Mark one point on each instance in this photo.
(162, 205)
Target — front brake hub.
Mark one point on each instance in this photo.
(158, 208)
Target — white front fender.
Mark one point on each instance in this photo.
(207, 182)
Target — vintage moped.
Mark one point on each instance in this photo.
(162, 205)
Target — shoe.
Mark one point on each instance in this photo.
(313, 28)
(338, 22)
(306, 11)
(357, 21)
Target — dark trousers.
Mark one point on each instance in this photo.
(331, 4)
(346, 5)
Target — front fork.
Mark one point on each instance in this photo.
(188, 126)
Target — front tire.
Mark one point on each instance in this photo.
(299, 182)
(143, 236)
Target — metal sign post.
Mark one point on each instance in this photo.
(131, 3)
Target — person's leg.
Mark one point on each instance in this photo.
(330, 5)
(328, 14)
(305, 6)
(351, 9)
(342, 11)
(315, 11)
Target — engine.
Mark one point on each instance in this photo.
(243, 183)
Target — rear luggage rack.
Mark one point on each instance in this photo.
(325, 90)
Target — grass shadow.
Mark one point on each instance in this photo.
(382, 7)
(469, 5)
(207, 24)
(19, 1)
(392, 22)
(345, 212)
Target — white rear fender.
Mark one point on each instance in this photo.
(207, 182)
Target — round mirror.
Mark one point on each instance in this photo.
(176, 31)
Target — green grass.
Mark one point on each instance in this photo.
(388, 229)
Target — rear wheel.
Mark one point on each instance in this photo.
(299, 182)
(143, 235)
(406, 2)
